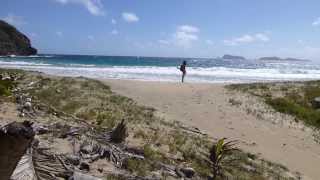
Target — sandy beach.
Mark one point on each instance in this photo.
(207, 106)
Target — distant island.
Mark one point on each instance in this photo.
(227, 56)
(13, 42)
(275, 58)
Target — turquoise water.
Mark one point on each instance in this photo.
(215, 70)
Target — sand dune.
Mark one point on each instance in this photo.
(206, 106)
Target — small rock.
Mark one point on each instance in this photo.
(179, 173)
(249, 168)
(316, 103)
(22, 114)
(73, 159)
(100, 170)
(31, 83)
(6, 78)
(27, 105)
(84, 166)
(188, 172)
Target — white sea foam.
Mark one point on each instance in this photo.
(21, 63)
(194, 74)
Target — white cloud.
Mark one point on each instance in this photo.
(95, 7)
(62, 1)
(262, 37)
(113, 21)
(245, 39)
(185, 35)
(301, 42)
(163, 42)
(188, 29)
(316, 22)
(209, 42)
(184, 39)
(59, 33)
(130, 17)
(14, 20)
(114, 32)
(91, 38)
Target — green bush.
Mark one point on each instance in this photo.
(5, 87)
(288, 106)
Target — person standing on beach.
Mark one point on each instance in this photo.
(183, 70)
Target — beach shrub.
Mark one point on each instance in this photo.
(107, 119)
(5, 86)
(4, 91)
(288, 106)
(290, 98)
(140, 167)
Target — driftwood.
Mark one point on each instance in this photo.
(25, 169)
(81, 176)
(41, 164)
(192, 130)
(15, 138)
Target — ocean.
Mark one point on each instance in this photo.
(199, 70)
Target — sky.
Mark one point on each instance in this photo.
(175, 28)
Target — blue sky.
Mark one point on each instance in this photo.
(187, 28)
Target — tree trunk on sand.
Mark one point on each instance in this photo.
(15, 138)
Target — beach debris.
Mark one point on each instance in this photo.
(14, 136)
(49, 165)
(120, 133)
(24, 169)
(193, 130)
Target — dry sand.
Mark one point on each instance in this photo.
(207, 107)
